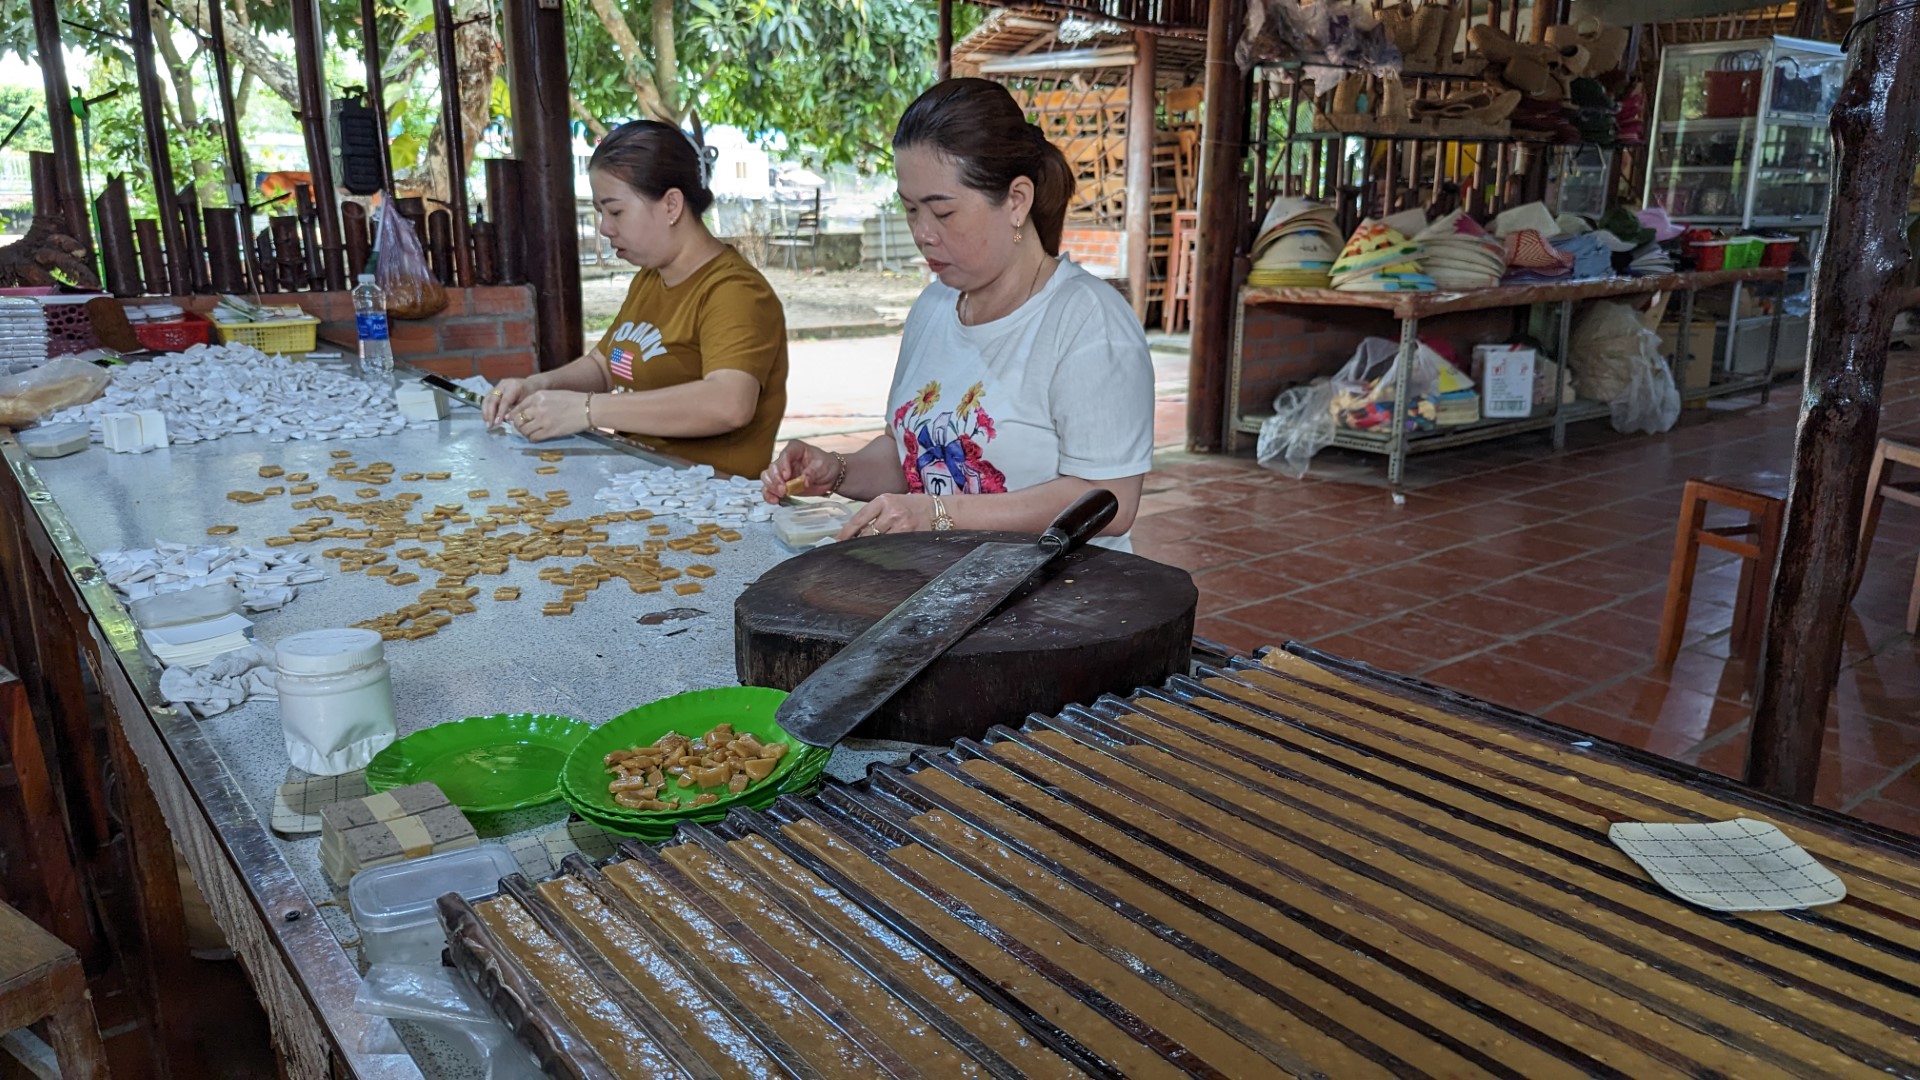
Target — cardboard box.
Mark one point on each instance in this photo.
(1694, 368)
(1505, 374)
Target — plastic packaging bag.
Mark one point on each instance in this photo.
(1606, 349)
(440, 1000)
(1300, 427)
(58, 384)
(1651, 403)
(402, 272)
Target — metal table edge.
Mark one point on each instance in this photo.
(326, 974)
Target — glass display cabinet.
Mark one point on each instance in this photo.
(1740, 140)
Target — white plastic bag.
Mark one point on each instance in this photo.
(1605, 350)
(1650, 403)
(1300, 427)
(58, 384)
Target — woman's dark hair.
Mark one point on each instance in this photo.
(978, 125)
(654, 158)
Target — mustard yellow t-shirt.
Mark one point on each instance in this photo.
(723, 318)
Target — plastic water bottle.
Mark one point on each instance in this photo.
(370, 319)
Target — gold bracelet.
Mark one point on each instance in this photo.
(589, 409)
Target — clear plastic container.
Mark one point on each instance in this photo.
(807, 524)
(394, 905)
(54, 440)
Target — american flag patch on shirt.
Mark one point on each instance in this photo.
(622, 364)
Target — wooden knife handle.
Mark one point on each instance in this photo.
(1080, 522)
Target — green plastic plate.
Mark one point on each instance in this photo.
(484, 764)
(693, 714)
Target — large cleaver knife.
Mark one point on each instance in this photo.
(874, 666)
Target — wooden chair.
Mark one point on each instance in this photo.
(40, 979)
(1757, 542)
(28, 788)
(1881, 487)
(1186, 237)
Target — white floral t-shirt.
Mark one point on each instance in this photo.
(1063, 386)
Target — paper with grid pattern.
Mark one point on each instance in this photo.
(584, 837)
(1738, 865)
(297, 803)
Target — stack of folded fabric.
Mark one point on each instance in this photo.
(1380, 258)
(1297, 246)
(1592, 249)
(392, 826)
(1528, 232)
(1656, 228)
(1458, 254)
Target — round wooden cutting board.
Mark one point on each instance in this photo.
(1095, 622)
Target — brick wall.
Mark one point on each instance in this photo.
(487, 330)
(1101, 251)
(1286, 345)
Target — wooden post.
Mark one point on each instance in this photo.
(240, 191)
(69, 192)
(153, 119)
(536, 48)
(456, 140)
(943, 67)
(117, 257)
(1876, 135)
(376, 86)
(1222, 188)
(1140, 137)
(1809, 20)
(308, 53)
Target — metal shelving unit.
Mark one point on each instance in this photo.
(1396, 443)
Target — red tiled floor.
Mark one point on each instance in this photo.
(1537, 580)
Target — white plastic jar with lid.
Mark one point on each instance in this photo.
(336, 698)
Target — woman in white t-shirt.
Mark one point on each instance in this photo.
(1023, 381)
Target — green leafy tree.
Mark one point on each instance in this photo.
(833, 75)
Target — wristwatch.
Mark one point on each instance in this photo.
(942, 521)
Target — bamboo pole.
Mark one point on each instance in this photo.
(69, 192)
(1876, 135)
(308, 53)
(1140, 139)
(454, 135)
(153, 119)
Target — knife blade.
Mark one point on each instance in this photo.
(864, 675)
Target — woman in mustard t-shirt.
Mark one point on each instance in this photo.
(696, 362)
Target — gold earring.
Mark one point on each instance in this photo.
(1016, 232)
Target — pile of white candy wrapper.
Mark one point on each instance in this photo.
(210, 391)
(694, 494)
(266, 577)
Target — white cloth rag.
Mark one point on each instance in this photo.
(224, 682)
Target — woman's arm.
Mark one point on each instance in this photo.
(872, 470)
(1029, 510)
(587, 373)
(723, 401)
(571, 399)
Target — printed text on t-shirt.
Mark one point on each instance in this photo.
(647, 344)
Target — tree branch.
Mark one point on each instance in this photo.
(254, 57)
(593, 122)
(631, 55)
(666, 58)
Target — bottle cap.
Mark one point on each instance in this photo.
(366, 279)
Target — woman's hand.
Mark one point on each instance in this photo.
(799, 461)
(498, 405)
(549, 414)
(891, 514)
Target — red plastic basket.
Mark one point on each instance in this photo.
(1779, 252)
(176, 335)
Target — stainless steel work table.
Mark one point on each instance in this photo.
(214, 779)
